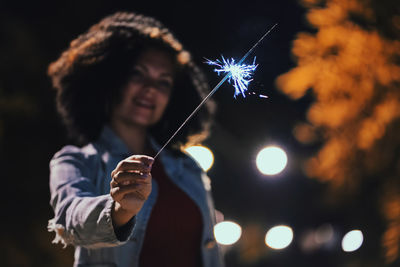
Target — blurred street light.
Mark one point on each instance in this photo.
(227, 232)
(203, 156)
(271, 160)
(279, 237)
(352, 241)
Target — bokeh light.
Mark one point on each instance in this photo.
(352, 241)
(271, 160)
(279, 237)
(203, 156)
(324, 234)
(227, 232)
(321, 238)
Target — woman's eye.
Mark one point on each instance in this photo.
(165, 85)
(136, 75)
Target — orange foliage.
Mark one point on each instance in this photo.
(353, 75)
(352, 67)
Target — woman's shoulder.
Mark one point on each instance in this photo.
(72, 152)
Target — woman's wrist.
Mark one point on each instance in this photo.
(120, 216)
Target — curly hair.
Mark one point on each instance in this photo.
(90, 74)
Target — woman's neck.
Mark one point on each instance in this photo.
(133, 136)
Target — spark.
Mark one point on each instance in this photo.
(239, 74)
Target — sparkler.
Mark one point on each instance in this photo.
(240, 74)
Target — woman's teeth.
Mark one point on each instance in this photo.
(144, 103)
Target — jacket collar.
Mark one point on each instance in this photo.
(112, 143)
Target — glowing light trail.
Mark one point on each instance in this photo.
(227, 76)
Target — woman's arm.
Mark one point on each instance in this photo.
(83, 217)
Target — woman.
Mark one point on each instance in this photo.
(123, 87)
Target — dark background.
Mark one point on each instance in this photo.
(34, 33)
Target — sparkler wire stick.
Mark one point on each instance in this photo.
(255, 45)
(194, 112)
(214, 90)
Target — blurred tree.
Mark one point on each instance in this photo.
(351, 65)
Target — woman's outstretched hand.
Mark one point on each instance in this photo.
(130, 187)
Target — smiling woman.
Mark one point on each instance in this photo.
(123, 86)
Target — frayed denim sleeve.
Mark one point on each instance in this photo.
(82, 215)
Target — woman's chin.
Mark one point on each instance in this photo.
(142, 122)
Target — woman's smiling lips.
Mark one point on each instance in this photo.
(144, 103)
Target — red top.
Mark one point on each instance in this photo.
(173, 234)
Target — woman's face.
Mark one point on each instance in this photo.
(146, 95)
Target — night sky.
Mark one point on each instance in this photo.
(34, 33)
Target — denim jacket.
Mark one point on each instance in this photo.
(80, 185)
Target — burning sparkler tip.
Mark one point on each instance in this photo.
(239, 74)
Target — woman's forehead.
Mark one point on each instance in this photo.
(156, 59)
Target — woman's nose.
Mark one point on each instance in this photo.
(149, 87)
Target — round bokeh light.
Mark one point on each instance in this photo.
(271, 160)
(227, 232)
(279, 237)
(352, 241)
(202, 155)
